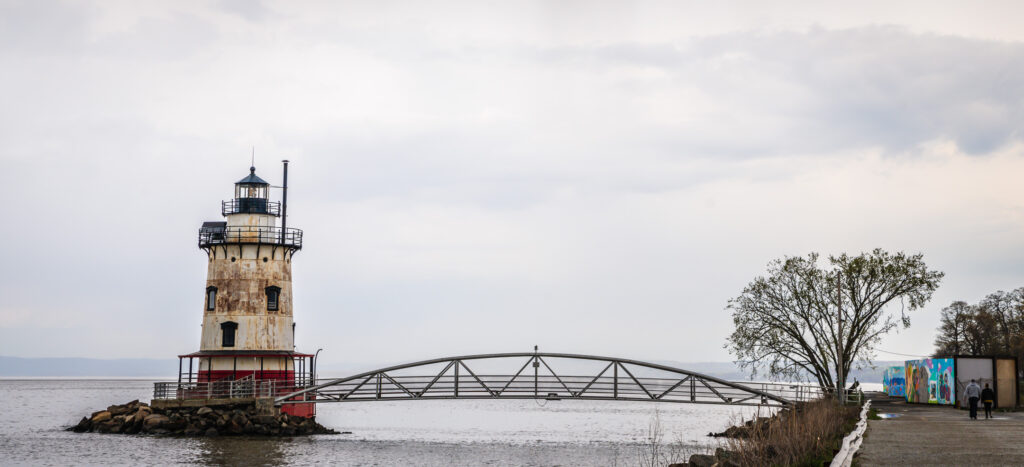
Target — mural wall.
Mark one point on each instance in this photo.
(978, 369)
(894, 382)
(930, 381)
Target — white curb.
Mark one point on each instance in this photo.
(851, 443)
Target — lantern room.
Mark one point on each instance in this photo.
(252, 196)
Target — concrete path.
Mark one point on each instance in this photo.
(933, 435)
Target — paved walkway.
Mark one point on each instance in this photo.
(933, 435)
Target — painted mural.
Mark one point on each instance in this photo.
(930, 381)
(894, 382)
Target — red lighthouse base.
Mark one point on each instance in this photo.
(307, 410)
(248, 374)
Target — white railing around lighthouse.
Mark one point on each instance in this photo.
(246, 387)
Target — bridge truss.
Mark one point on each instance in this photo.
(550, 376)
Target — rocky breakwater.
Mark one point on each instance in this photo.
(138, 417)
(725, 458)
(758, 426)
(721, 458)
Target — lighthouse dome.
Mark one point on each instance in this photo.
(252, 179)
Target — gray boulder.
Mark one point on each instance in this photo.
(154, 421)
(702, 460)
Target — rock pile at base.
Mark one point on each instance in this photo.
(722, 458)
(138, 417)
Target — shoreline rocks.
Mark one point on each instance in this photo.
(139, 418)
(743, 431)
(753, 426)
(721, 458)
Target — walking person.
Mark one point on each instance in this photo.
(988, 396)
(973, 393)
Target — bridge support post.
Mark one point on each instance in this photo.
(265, 406)
(536, 370)
(615, 379)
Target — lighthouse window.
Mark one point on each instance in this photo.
(227, 330)
(211, 298)
(273, 294)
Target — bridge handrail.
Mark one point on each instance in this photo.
(655, 366)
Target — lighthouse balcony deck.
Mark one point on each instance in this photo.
(244, 388)
(216, 235)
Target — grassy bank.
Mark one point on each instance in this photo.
(807, 436)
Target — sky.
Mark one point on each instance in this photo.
(475, 177)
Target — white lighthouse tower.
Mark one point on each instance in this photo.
(248, 333)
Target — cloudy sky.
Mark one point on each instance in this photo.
(589, 177)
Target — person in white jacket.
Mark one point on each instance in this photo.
(973, 393)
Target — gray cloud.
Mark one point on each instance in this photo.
(485, 185)
(36, 29)
(825, 90)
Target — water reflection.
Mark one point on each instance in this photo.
(243, 451)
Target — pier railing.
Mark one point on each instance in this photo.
(224, 389)
(803, 392)
(795, 392)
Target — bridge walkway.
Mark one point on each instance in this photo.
(545, 376)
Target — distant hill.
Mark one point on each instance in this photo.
(82, 367)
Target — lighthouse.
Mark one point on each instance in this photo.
(248, 332)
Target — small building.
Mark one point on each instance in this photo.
(247, 347)
(893, 381)
(943, 380)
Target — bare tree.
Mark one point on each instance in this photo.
(981, 334)
(953, 325)
(995, 326)
(1006, 315)
(804, 321)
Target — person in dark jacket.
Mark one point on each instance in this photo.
(988, 396)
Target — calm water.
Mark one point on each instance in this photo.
(469, 432)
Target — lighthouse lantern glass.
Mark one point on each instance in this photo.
(251, 191)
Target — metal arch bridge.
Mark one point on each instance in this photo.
(536, 378)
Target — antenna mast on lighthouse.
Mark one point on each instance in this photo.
(284, 201)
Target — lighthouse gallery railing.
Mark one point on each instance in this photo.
(250, 206)
(215, 236)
